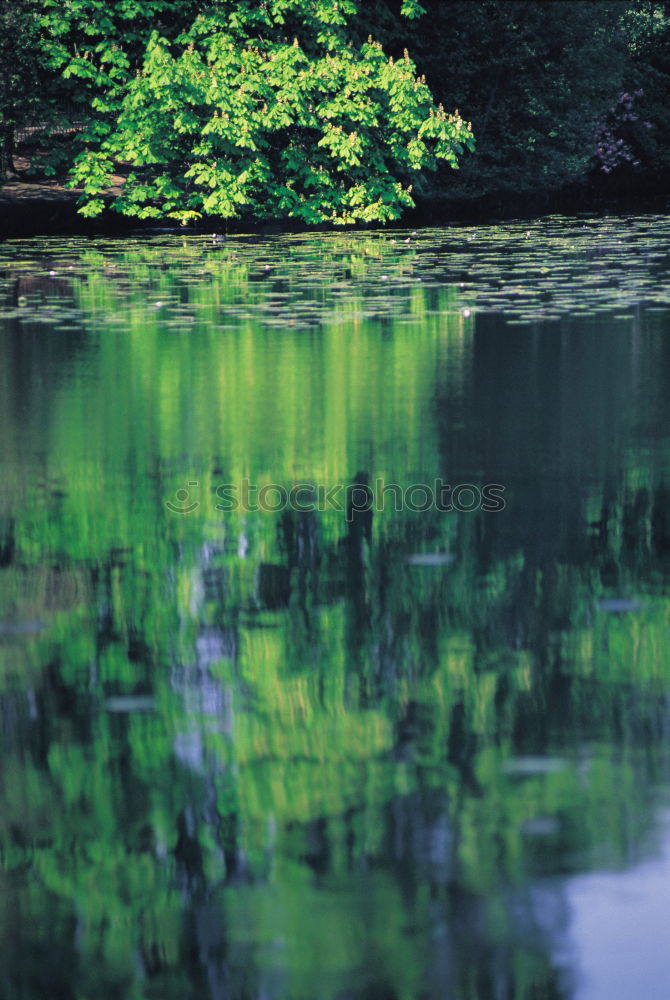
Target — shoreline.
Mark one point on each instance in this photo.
(47, 208)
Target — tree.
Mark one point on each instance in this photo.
(536, 76)
(21, 68)
(638, 125)
(263, 109)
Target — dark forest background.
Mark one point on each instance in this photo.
(568, 99)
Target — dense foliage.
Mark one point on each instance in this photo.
(644, 126)
(330, 111)
(267, 109)
(535, 78)
(22, 65)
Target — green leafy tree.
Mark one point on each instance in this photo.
(97, 46)
(268, 109)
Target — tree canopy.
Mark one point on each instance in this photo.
(536, 78)
(269, 109)
(334, 110)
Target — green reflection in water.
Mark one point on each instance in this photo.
(254, 754)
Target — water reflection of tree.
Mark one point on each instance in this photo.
(344, 715)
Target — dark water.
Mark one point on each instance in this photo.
(360, 750)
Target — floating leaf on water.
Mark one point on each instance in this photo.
(620, 605)
(534, 273)
(541, 826)
(430, 559)
(531, 766)
(130, 703)
(21, 628)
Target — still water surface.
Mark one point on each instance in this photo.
(284, 755)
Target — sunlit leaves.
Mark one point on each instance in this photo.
(244, 119)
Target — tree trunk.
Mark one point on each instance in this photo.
(6, 150)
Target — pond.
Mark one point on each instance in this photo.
(335, 614)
